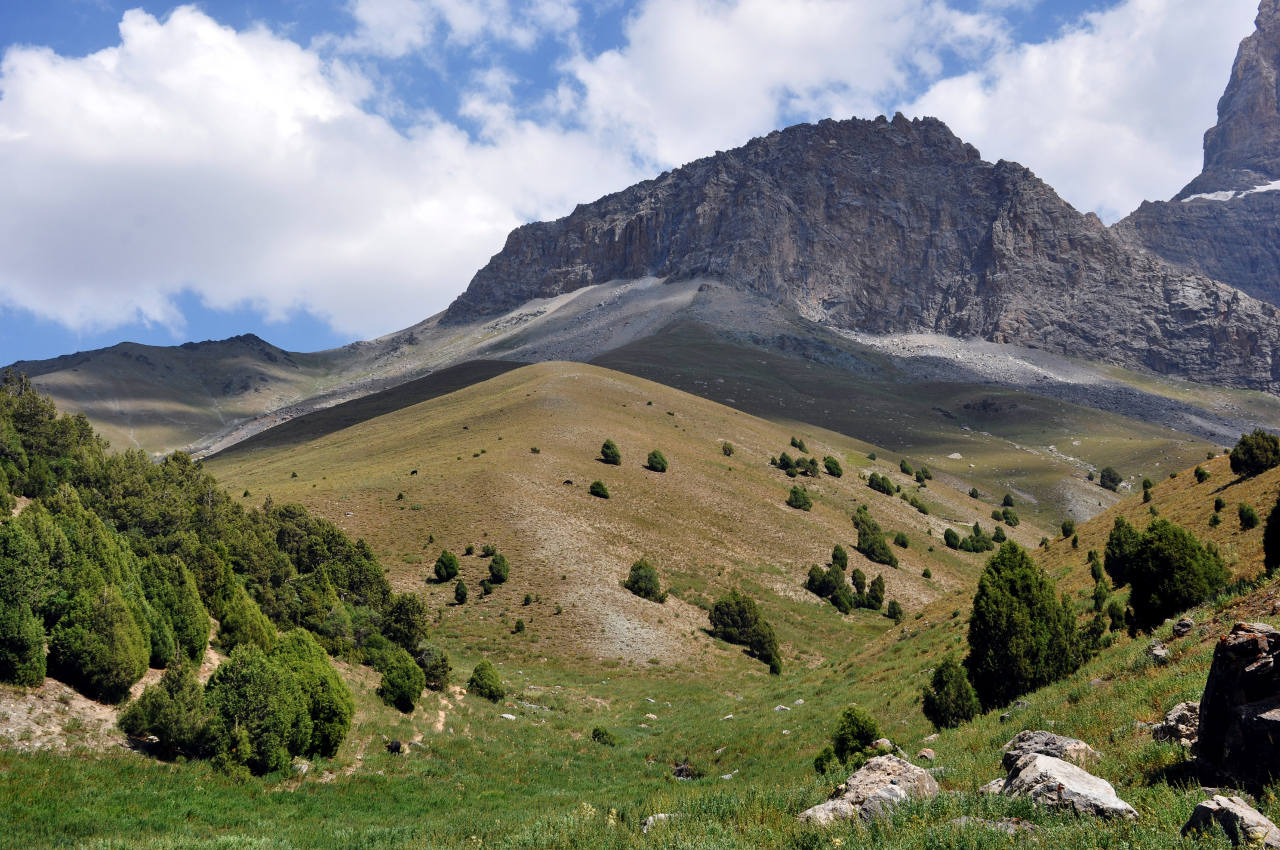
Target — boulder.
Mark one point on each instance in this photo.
(926, 754)
(1239, 734)
(1049, 744)
(1055, 783)
(1183, 627)
(1158, 652)
(995, 786)
(1180, 726)
(876, 787)
(1241, 822)
(884, 745)
(653, 820)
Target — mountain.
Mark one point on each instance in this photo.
(1226, 222)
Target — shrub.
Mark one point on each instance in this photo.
(1248, 517)
(735, 618)
(499, 569)
(952, 539)
(997, 515)
(402, 680)
(325, 697)
(799, 499)
(1007, 501)
(603, 736)
(1100, 594)
(1202, 475)
(1122, 549)
(643, 582)
(656, 462)
(1020, 635)
(484, 682)
(839, 557)
(1218, 504)
(905, 468)
(998, 536)
(446, 566)
(406, 621)
(1009, 517)
(928, 573)
(1115, 612)
(97, 647)
(469, 551)
(460, 592)
(609, 453)
(1109, 478)
(949, 700)
(834, 469)
(22, 660)
(1171, 571)
(519, 628)
(726, 448)
(799, 444)
(900, 540)
(485, 587)
(1146, 496)
(880, 483)
(256, 713)
(823, 761)
(173, 710)
(1255, 453)
(871, 455)
(855, 732)
(1068, 527)
(973, 493)
(859, 580)
(875, 593)
(1215, 520)
(435, 667)
(871, 539)
(598, 490)
(830, 584)
(894, 611)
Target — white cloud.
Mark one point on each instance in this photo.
(394, 28)
(241, 167)
(1109, 113)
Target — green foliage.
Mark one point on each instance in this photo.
(830, 584)
(839, 557)
(1115, 612)
(854, 734)
(735, 618)
(519, 628)
(951, 538)
(1100, 594)
(604, 737)
(900, 540)
(173, 710)
(726, 448)
(257, 715)
(1007, 501)
(598, 490)
(1068, 527)
(905, 468)
(325, 698)
(824, 760)
(799, 499)
(799, 444)
(402, 680)
(1109, 478)
(499, 569)
(242, 622)
(875, 594)
(1020, 635)
(484, 682)
(1202, 475)
(833, 467)
(880, 483)
(643, 582)
(1170, 572)
(974, 494)
(97, 646)
(1255, 453)
(22, 660)
(656, 462)
(949, 700)
(1218, 504)
(894, 611)
(609, 453)
(998, 536)
(1122, 549)
(460, 592)
(871, 541)
(926, 573)
(435, 666)
(1248, 517)
(859, 581)
(446, 566)
(406, 621)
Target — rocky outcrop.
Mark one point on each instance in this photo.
(1226, 222)
(879, 785)
(1054, 783)
(1181, 725)
(1242, 823)
(1027, 742)
(1239, 734)
(895, 226)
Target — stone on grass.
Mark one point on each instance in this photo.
(1158, 652)
(653, 820)
(1180, 726)
(926, 754)
(1183, 627)
(1242, 823)
(876, 787)
(995, 786)
(884, 745)
(1049, 744)
(1057, 784)
(1240, 710)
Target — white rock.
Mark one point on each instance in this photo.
(1242, 823)
(507, 716)
(880, 784)
(1055, 783)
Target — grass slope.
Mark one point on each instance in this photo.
(647, 672)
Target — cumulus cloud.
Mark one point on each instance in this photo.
(1112, 111)
(394, 28)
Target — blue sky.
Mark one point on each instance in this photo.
(318, 172)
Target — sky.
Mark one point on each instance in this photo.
(320, 171)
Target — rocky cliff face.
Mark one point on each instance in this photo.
(1226, 222)
(896, 226)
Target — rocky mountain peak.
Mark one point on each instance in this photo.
(1242, 150)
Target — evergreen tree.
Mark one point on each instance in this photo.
(871, 541)
(460, 592)
(875, 593)
(839, 557)
(173, 710)
(949, 700)
(1255, 453)
(854, 734)
(22, 660)
(484, 682)
(656, 462)
(406, 621)
(257, 713)
(799, 499)
(643, 582)
(499, 569)
(609, 453)
(446, 566)
(1122, 548)
(97, 647)
(435, 666)
(402, 680)
(1171, 572)
(735, 618)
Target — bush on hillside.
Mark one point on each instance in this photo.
(900, 540)
(880, 483)
(1248, 517)
(799, 444)
(435, 666)
(1202, 474)
(97, 647)
(406, 621)
(643, 582)
(830, 584)
(325, 697)
(839, 557)
(173, 710)
(22, 660)
(257, 721)
(905, 468)
(871, 543)
(894, 612)
(1020, 635)
(833, 467)
(855, 732)
(499, 569)
(402, 680)
(656, 462)
(484, 682)
(949, 700)
(875, 594)
(1172, 571)
(604, 737)
(799, 499)
(859, 581)
(951, 538)
(1068, 527)
(1255, 454)
(1007, 501)
(735, 618)
(1122, 549)
(998, 536)
(609, 453)
(1010, 518)
(460, 592)
(598, 490)
(1109, 478)
(446, 566)
(726, 449)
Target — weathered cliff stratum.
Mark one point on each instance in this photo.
(896, 226)
(1226, 222)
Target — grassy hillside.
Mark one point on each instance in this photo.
(593, 655)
